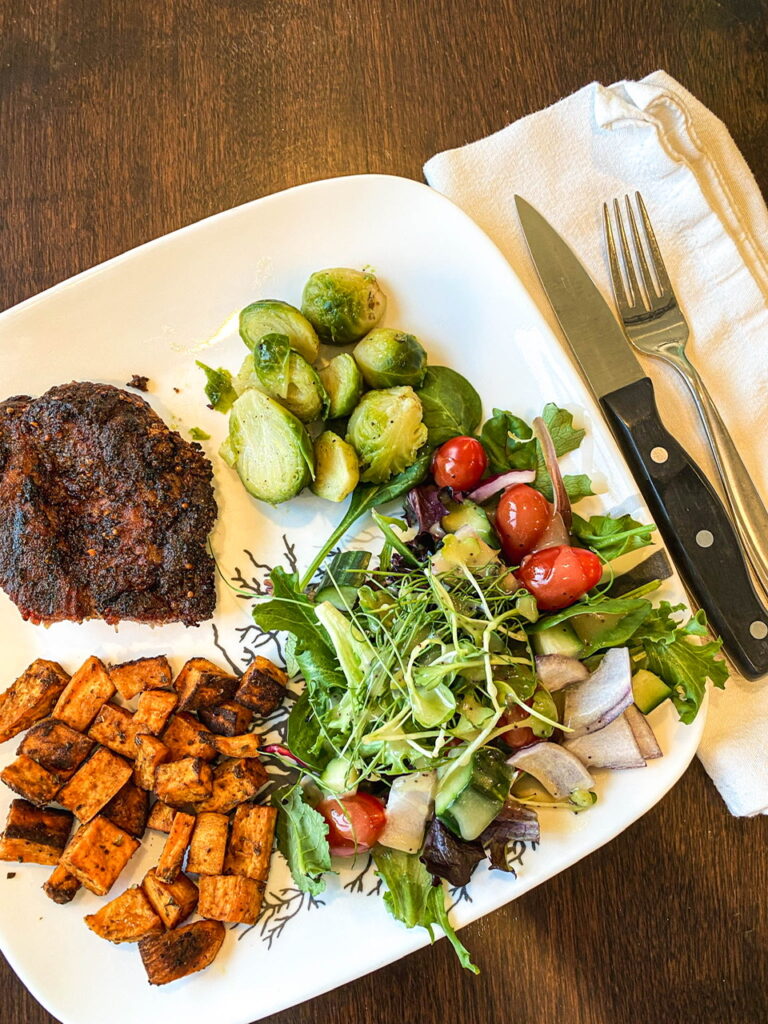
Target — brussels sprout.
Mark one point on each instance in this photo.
(271, 316)
(344, 384)
(285, 376)
(388, 358)
(342, 305)
(219, 388)
(269, 448)
(271, 363)
(337, 470)
(386, 431)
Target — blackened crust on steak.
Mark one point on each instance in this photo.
(104, 511)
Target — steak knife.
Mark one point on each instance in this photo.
(690, 516)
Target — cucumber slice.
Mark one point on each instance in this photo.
(470, 514)
(560, 639)
(648, 690)
(339, 776)
(470, 797)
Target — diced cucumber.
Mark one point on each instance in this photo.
(561, 639)
(339, 776)
(648, 691)
(470, 514)
(470, 797)
(343, 578)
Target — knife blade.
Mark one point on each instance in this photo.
(691, 518)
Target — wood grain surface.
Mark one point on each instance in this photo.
(124, 120)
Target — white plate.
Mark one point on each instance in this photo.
(150, 312)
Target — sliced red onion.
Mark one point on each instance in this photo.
(557, 670)
(410, 803)
(284, 752)
(600, 698)
(562, 503)
(646, 741)
(558, 770)
(612, 747)
(494, 484)
(554, 535)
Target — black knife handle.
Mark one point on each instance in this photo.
(694, 524)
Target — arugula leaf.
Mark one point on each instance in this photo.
(304, 735)
(611, 537)
(451, 406)
(577, 486)
(218, 388)
(413, 899)
(301, 838)
(508, 442)
(565, 438)
(616, 620)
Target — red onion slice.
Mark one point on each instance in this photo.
(612, 747)
(562, 504)
(558, 770)
(557, 670)
(494, 484)
(646, 741)
(594, 703)
(554, 535)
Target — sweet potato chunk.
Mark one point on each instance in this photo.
(172, 901)
(161, 817)
(234, 782)
(175, 847)
(129, 809)
(201, 684)
(237, 746)
(133, 677)
(127, 918)
(186, 737)
(31, 697)
(97, 853)
(176, 954)
(56, 746)
(250, 844)
(208, 846)
(227, 719)
(33, 834)
(25, 777)
(114, 727)
(262, 687)
(184, 782)
(94, 785)
(61, 887)
(150, 752)
(84, 694)
(154, 709)
(231, 898)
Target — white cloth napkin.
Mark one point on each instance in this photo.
(712, 226)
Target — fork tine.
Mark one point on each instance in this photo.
(617, 282)
(665, 285)
(634, 287)
(645, 273)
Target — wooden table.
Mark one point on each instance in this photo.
(122, 121)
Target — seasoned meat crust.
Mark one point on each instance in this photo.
(104, 511)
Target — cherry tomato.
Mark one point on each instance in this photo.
(559, 576)
(521, 518)
(517, 736)
(355, 822)
(459, 463)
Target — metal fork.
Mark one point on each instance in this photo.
(654, 323)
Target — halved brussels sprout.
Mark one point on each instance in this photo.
(342, 304)
(271, 316)
(271, 363)
(337, 470)
(285, 376)
(344, 384)
(388, 358)
(269, 448)
(386, 431)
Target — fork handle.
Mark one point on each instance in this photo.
(694, 524)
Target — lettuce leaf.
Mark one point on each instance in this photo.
(301, 838)
(611, 537)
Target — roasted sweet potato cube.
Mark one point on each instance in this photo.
(56, 746)
(234, 782)
(208, 846)
(33, 834)
(176, 954)
(97, 853)
(114, 727)
(186, 737)
(84, 694)
(133, 677)
(262, 687)
(237, 746)
(150, 752)
(232, 898)
(201, 684)
(61, 887)
(129, 809)
(173, 901)
(95, 783)
(227, 719)
(127, 918)
(31, 697)
(161, 817)
(175, 847)
(184, 782)
(27, 778)
(154, 709)
(250, 843)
